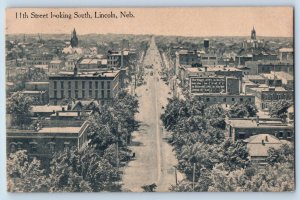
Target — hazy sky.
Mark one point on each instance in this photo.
(205, 21)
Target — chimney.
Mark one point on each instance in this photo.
(267, 140)
(63, 109)
(262, 142)
(205, 69)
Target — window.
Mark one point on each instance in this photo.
(55, 94)
(76, 94)
(102, 84)
(108, 94)
(233, 99)
(83, 94)
(289, 135)
(207, 99)
(280, 135)
(224, 100)
(69, 94)
(83, 85)
(33, 147)
(97, 94)
(108, 84)
(102, 94)
(90, 93)
(96, 84)
(62, 94)
(90, 84)
(66, 146)
(61, 85)
(19, 144)
(69, 85)
(55, 85)
(51, 146)
(13, 147)
(241, 99)
(76, 84)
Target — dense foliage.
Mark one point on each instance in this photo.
(216, 164)
(94, 168)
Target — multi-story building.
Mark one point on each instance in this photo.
(243, 128)
(53, 135)
(258, 67)
(39, 59)
(267, 95)
(186, 57)
(99, 85)
(286, 54)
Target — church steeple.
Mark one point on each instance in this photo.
(253, 34)
(74, 39)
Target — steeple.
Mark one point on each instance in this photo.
(74, 39)
(253, 34)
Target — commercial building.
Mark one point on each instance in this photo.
(99, 85)
(243, 128)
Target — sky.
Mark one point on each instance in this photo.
(201, 21)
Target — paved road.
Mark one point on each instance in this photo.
(155, 160)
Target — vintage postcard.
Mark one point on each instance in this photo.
(150, 99)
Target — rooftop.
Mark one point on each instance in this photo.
(258, 145)
(252, 123)
(60, 130)
(286, 50)
(47, 108)
(96, 73)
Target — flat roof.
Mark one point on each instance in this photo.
(60, 130)
(251, 123)
(96, 73)
(47, 108)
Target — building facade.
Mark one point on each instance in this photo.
(101, 86)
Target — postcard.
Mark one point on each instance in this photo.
(188, 99)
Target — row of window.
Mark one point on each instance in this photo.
(16, 146)
(76, 94)
(233, 99)
(90, 84)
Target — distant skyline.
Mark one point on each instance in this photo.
(183, 21)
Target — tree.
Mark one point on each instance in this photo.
(24, 175)
(279, 108)
(241, 110)
(19, 106)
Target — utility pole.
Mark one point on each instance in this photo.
(176, 182)
(194, 166)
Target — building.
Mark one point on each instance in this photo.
(186, 57)
(259, 67)
(39, 59)
(267, 95)
(56, 66)
(253, 42)
(74, 39)
(37, 86)
(98, 85)
(280, 79)
(224, 98)
(286, 54)
(214, 84)
(54, 137)
(259, 145)
(117, 59)
(243, 128)
(46, 110)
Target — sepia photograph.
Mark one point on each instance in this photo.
(186, 99)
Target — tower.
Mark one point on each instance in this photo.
(74, 39)
(253, 34)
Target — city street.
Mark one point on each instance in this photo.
(155, 161)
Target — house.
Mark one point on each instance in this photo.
(259, 145)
